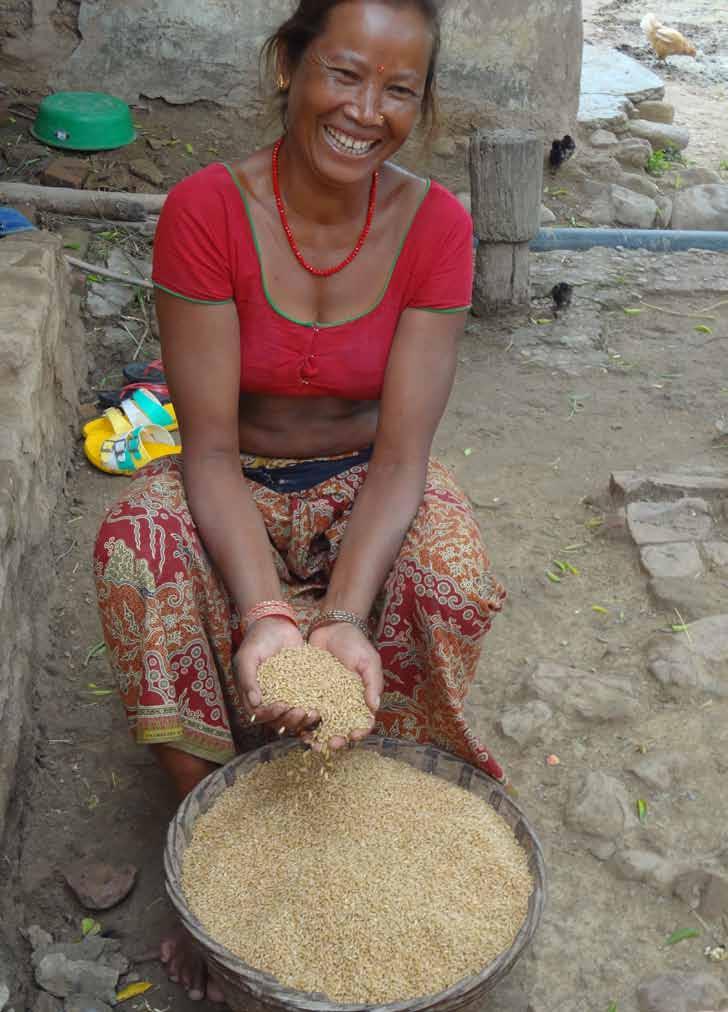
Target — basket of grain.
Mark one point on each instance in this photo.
(394, 877)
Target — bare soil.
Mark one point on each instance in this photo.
(532, 431)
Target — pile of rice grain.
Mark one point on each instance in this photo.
(363, 879)
(314, 679)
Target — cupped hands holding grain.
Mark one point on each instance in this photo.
(267, 637)
(312, 680)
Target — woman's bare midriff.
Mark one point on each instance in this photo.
(301, 427)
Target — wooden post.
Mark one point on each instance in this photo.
(506, 180)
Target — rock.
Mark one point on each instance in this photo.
(703, 891)
(633, 152)
(85, 1003)
(99, 886)
(663, 136)
(703, 481)
(547, 215)
(107, 299)
(75, 240)
(608, 71)
(603, 139)
(68, 172)
(90, 948)
(701, 207)
(593, 697)
(524, 723)
(600, 166)
(664, 211)
(603, 111)
(445, 147)
(4, 994)
(144, 168)
(614, 204)
(47, 1003)
(716, 552)
(25, 153)
(656, 111)
(117, 342)
(686, 176)
(599, 807)
(672, 561)
(640, 184)
(645, 866)
(63, 977)
(38, 937)
(693, 600)
(652, 523)
(117, 961)
(658, 769)
(679, 992)
(695, 659)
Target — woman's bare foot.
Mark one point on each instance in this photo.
(186, 967)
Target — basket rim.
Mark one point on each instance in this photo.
(265, 985)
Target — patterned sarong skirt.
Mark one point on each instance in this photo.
(171, 629)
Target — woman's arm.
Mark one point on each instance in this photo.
(417, 385)
(201, 349)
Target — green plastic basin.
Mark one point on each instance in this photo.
(83, 121)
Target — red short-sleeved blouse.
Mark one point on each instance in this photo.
(206, 250)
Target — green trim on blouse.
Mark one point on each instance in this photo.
(186, 298)
(441, 312)
(316, 323)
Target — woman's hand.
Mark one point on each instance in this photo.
(355, 652)
(267, 637)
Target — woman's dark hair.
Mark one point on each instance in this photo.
(291, 40)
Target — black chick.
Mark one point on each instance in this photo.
(561, 151)
(561, 294)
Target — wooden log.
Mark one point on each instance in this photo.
(506, 180)
(501, 276)
(89, 203)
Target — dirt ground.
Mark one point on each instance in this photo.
(533, 431)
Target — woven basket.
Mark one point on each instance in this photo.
(247, 989)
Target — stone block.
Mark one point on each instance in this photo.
(683, 177)
(41, 357)
(144, 168)
(696, 659)
(616, 205)
(672, 561)
(640, 184)
(693, 600)
(662, 523)
(659, 769)
(70, 172)
(582, 693)
(707, 482)
(608, 71)
(704, 208)
(656, 111)
(525, 723)
(603, 139)
(599, 807)
(633, 152)
(662, 136)
(680, 992)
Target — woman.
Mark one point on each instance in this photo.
(310, 300)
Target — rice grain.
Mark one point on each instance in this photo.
(374, 883)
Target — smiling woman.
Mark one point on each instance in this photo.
(310, 299)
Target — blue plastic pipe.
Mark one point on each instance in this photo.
(654, 239)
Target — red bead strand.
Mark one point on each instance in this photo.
(289, 233)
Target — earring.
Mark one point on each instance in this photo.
(282, 83)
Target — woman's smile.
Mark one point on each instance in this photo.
(347, 144)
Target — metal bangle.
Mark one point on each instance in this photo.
(338, 615)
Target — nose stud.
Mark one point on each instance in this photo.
(380, 117)
(380, 68)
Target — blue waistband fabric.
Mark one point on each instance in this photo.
(306, 473)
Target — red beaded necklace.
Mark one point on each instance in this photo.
(289, 233)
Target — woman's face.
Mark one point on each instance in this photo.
(357, 92)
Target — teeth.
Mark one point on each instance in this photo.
(348, 143)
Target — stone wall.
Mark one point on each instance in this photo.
(505, 62)
(41, 357)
